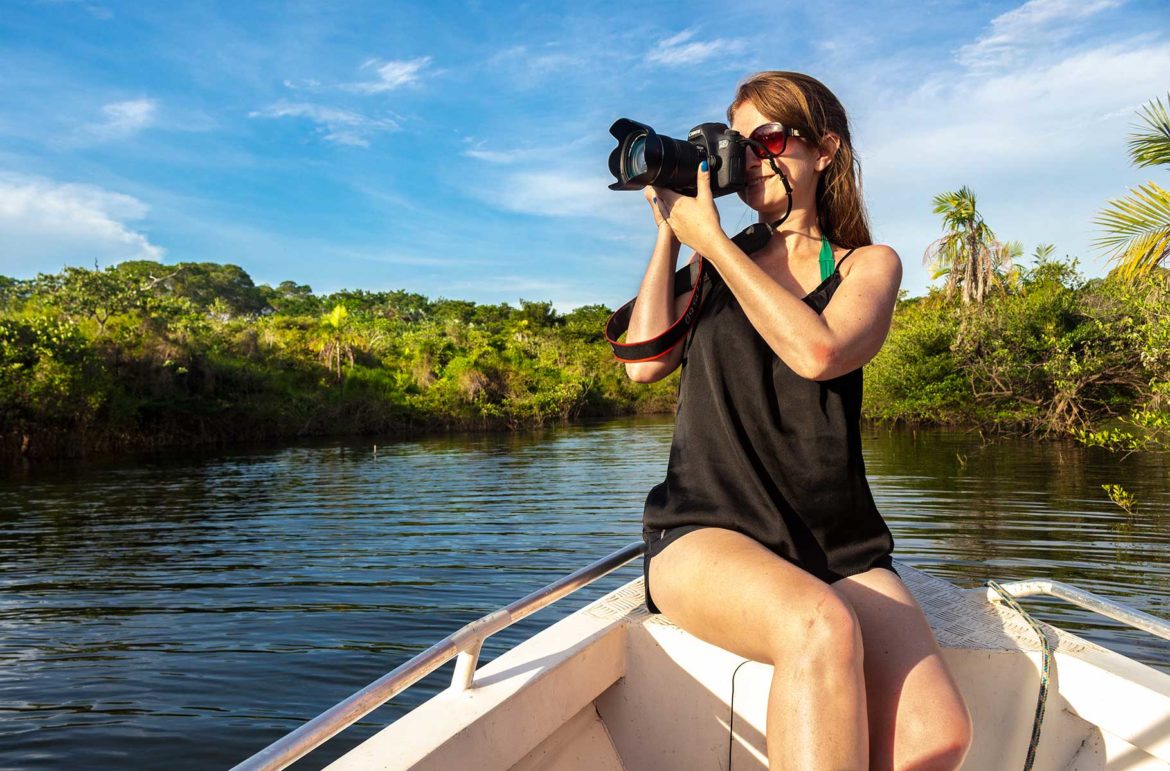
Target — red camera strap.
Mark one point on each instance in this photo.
(687, 279)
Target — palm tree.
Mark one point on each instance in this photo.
(338, 341)
(968, 253)
(1137, 228)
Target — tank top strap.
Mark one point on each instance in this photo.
(851, 251)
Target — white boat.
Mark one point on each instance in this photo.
(612, 687)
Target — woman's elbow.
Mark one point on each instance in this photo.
(649, 371)
(819, 362)
(640, 373)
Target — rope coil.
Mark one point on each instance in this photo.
(1046, 653)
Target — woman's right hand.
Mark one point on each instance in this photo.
(659, 220)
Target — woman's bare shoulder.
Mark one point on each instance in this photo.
(873, 259)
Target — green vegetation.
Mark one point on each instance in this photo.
(1120, 496)
(967, 253)
(1050, 355)
(145, 355)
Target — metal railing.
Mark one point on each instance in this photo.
(465, 644)
(1087, 600)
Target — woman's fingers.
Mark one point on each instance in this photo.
(652, 199)
(694, 219)
(703, 182)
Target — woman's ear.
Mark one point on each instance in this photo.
(827, 150)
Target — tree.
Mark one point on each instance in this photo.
(1137, 228)
(968, 253)
(96, 294)
(339, 342)
(203, 283)
(291, 298)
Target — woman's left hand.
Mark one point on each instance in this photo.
(695, 221)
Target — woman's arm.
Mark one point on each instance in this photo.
(823, 346)
(656, 308)
(816, 346)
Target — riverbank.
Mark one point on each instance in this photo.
(144, 356)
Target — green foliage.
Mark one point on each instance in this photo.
(145, 354)
(1055, 355)
(915, 378)
(1120, 496)
(1150, 146)
(1137, 228)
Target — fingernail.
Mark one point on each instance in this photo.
(703, 165)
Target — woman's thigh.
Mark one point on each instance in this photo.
(731, 591)
(912, 698)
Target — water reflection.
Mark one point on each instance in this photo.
(186, 610)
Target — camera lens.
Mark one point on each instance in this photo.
(636, 157)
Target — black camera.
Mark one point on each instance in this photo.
(644, 157)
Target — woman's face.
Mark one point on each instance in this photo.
(801, 162)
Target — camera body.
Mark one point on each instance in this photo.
(644, 157)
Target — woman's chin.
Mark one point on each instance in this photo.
(768, 210)
(754, 197)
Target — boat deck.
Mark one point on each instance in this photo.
(615, 687)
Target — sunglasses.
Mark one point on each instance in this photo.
(771, 139)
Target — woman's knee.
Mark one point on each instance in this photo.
(826, 632)
(943, 744)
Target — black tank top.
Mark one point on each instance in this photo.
(763, 451)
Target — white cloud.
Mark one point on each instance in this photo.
(680, 50)
(45, 224)
(391, 75)
(560, 193)
(121, 120)
(493, 156)
(527, 67)
(1032, 25)
(309, 84)
(479, 152)
(1027, 115)
(343, 127)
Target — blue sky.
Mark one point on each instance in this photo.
(459, 149)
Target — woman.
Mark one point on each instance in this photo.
(764, 538)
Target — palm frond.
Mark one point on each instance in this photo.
(1004, 255)
(1150, 146)
(1137, 229)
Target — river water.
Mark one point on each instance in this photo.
(183, 611)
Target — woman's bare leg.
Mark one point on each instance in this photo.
(725, 588)
(918, 718)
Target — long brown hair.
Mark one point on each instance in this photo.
(805, 103)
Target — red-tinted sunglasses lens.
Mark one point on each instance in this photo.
(773, 137)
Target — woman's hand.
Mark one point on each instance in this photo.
(695, 221)
(651, 198)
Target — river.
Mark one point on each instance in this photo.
(181, 611)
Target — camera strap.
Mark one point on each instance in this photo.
(690, 278)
